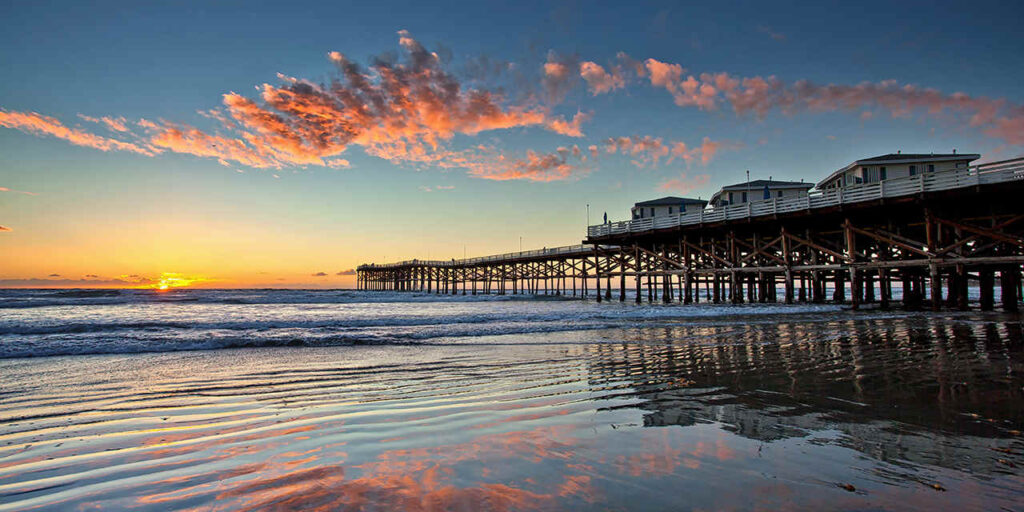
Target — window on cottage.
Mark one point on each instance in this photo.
(744, 197)
(670, 210)
(931, 167)
(652, 212)
(881, 173)
(913, 170)
(730, 197)
(779, 194)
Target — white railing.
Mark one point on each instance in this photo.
(984, 174)
(578, 250)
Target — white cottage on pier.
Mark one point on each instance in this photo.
(669, 205)
(757, 190)
(894, 165)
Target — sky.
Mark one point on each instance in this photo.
(258, 144)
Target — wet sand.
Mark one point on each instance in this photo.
(818, 411)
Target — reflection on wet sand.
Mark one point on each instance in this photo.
(848, 412)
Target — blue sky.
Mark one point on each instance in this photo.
(165, 62)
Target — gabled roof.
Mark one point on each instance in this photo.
(756, 186)
(760, 184)
(900, 158)
(670, 201)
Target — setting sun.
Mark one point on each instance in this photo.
(170, 280)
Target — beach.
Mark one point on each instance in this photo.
(341, 400)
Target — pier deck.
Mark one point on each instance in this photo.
(925, 234)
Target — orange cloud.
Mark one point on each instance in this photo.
(648, 151)
(1010, 129)
(535, 167)
(600, 81)
(559, 75)
(760, 95)
(688, 92)
(5, 228)
(684, 184)
(117, 124)
(404, 111)
(645, 150)
(5, 189)
(569, 128)
(37, 124)
(188, 140)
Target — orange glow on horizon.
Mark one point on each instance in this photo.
(170, 280)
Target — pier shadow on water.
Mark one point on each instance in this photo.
(835, 411)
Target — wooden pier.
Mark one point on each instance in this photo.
(930, 236)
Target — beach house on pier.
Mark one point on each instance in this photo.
(669, 205)
(894, 165)
(757, 190)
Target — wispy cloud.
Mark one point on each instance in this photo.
(684, 184)
(758, 95)
(319, 274)
(600, 81)
(349, 272)
(403, 110)
(427, 188)
(38, 124)
(5, 228)
(573, 162)
(412, 110)
(117, 124)
(5, 189)
(778, 36)
(648, 151)
(535, 167)
(560, 74)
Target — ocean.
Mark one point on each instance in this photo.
(346, 400)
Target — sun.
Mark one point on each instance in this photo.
(169, 280)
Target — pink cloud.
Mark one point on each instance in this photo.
(188, 140)
(37, 124)
(600, 81)
(684, 184)
(649, 151)
(559, 76)
(1010, 129)
(5, 189)
(569, 128)
(688, 92)
(535, 167)
(760, 95)
(404, 111)
(117, 124)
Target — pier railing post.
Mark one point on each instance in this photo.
(851, 260)
(933, 267)
(636, 273)
(622, 274)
